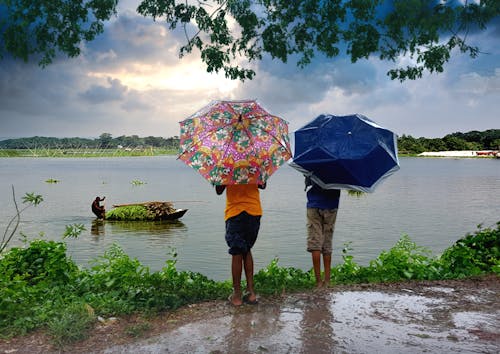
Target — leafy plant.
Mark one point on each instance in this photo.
(274, 279)
(31, 199)
(72, 323)
(347, 271)
(73, 231)
(473, 254)
(34, 283)
(404, 261)
(43, 261)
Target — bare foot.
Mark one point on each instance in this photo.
(319, 286)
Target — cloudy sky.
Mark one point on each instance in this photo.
(130, 81)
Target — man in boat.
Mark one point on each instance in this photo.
(99, 209)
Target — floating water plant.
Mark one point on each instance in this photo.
(137, 182)
(353, 193)
(52, 180)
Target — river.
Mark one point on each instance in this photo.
(434, 201)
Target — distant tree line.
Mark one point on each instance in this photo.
(473, 140)
(105, 141)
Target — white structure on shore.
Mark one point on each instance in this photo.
(464, 153)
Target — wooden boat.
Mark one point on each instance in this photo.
(178, 213)
(145, 211)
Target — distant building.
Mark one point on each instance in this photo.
(464, 153)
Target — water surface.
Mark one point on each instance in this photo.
(434, 201)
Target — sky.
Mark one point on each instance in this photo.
(131, 81)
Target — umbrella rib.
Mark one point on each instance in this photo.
(270, 133)
(201, 137)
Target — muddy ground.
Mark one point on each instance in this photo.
(412, 317)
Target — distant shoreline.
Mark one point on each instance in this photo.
(145, 152)
(85, 153)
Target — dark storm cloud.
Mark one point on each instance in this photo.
(28, 89)
(115, 91)
(133, 38)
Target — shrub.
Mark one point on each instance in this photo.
(42, 261)
(473, 254)
(405, 261)
(276, 280)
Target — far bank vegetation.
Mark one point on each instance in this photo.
(103, 146)
(134, 145)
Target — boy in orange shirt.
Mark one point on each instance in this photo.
(242, 216)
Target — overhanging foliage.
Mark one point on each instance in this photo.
(231, 34)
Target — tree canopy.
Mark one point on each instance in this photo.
(230, 34)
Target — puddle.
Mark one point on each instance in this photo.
(343, 322)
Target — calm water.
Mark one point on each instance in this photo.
(434, 201)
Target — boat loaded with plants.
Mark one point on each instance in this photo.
(145, 211)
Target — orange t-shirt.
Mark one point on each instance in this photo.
(242, 197)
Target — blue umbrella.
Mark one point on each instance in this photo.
(345, 152)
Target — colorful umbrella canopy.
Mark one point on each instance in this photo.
(345, 152)
(234, 142)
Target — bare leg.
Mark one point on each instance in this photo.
(248, 265)
(327, 261)
(236, 268)
(316, 260)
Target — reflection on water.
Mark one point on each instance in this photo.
(97, 228)
(151, 228)
(316, 326)
(434, 201)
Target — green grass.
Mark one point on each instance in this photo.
(41, 286)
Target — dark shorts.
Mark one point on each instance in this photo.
(241, 232)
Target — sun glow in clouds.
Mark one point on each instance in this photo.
(185, 77)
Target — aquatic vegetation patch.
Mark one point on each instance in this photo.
(52, 180)
(141, 211)
(132, 212)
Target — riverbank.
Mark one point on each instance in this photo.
(460, 316)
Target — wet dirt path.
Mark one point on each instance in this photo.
(457, 316)
(432, 317)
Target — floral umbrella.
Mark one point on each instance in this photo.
(234, 142)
